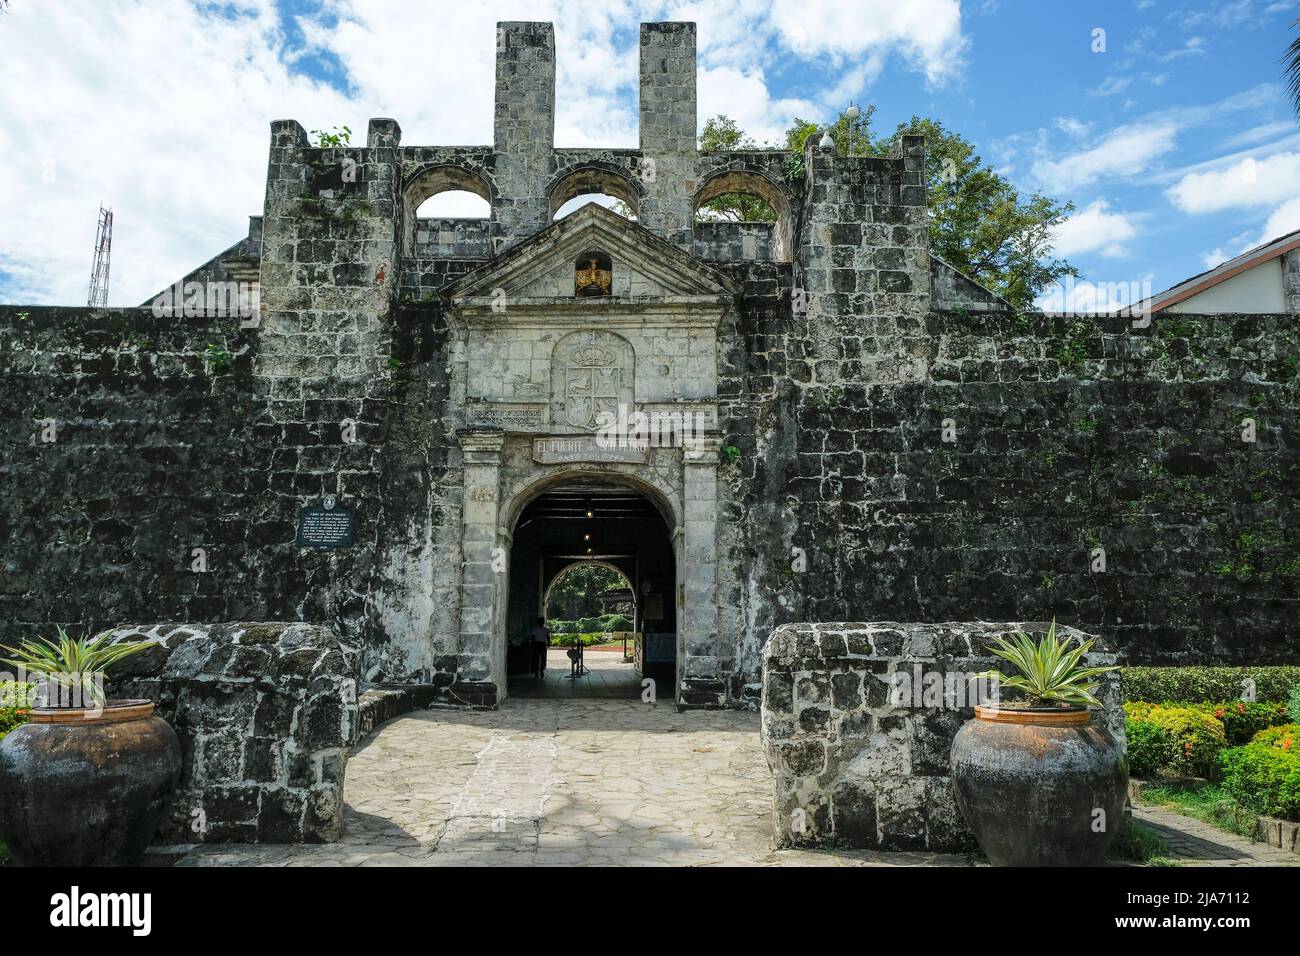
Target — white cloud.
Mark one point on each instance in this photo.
(155, 109)
(744, 97)
(928, 32)
(1125, 151)
(1247, 182)
(1112, 85)
(1095, 229)
(1285, 218)
(1072, 127)
(1212, 259)
(1195, 46)
(161, 108)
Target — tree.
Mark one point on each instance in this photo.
(847, 133)
(722, 134)
(1293, 71)
(574, 594)
(980, 224)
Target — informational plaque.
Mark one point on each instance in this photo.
(556, 451)
(325, 528)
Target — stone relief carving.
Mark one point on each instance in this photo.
(591, 375)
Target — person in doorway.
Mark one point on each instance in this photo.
(540, 641)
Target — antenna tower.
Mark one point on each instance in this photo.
(103, 251)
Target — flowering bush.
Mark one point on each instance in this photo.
(1264, 775)
(1182, 741)
(1242, 720)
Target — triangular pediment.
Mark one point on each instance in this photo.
(645, 268)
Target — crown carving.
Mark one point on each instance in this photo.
(593, 355)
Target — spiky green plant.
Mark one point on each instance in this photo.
(1050, 671)
(73, 662)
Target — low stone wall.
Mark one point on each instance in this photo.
(265, 713)
(855, 765)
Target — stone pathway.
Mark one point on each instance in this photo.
(582, 782)
(596, 782)
(1194, 843)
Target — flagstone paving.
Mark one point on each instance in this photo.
(576, 782)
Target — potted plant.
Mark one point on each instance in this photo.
(82, 782)
(1039, 780)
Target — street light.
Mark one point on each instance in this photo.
(852, 113)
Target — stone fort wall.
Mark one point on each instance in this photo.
(1070, 436)
(850, 358)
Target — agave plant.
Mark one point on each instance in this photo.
(1049, 669)
(77, 664)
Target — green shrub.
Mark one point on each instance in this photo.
(1191, 744)
(616, 622)
(1150, 749)
(1242, 720)
(1190, 685)
(568, 640)
(557, 626)
(1264, 775)
(15, 699)
(587, 625)
(1293, 705)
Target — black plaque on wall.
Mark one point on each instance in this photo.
(325, 528)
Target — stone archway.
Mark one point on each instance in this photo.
(682, 488)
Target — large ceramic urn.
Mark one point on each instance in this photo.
(86, 787)
(1041, 787)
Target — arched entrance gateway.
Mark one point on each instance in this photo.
(595, 521)
(590, 434)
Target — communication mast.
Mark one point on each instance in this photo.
(103, 251)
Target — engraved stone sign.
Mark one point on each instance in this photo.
(324, 529)
(510, 416)
(555, 451)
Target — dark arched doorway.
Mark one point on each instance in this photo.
(593, 524)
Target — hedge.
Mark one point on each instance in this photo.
(1194, 685)
(1264, 775)
(590, 625)
(1184, 741)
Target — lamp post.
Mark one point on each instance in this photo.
(852, 113)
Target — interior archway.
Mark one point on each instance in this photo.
(461, 185)
(586, 523)
(747, 183)
(593, 184)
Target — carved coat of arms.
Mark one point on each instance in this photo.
(593, 384)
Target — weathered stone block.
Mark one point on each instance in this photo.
(836, 738)
(264, 728)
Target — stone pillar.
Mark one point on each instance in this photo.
(697, 604)
(480, 678)
(329, 250)
(1291, 281)
(668, 157)
(523, 130)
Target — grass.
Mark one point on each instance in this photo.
(1207, 802)
(1141, 845)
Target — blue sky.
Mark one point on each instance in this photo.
(1175, 142)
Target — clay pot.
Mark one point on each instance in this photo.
(79, 789)
(1030, 783)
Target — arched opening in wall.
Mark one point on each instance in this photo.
(612, 190)
(595, 561)
(447, 210)
(454, 204)
(743, 215)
